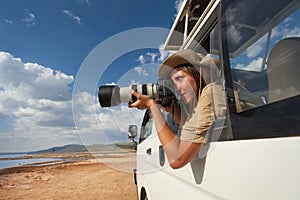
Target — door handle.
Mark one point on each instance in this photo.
(149, 151)
(161, 155)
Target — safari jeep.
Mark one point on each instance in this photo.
(254, 152)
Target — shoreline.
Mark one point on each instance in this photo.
(81, 176)
(41, 159)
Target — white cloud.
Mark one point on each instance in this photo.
(162, 54)
(294, 32)
(255, 65)
(254, 50)
(141, 71)
(84, 2)
(35, 106)
(72, 16)
(31, 80)
(257, 47)
(8, 21)
(88, 2)
(29, 20)
(150, 62)
(38, 111)
(288, 28)
(141, 59)
(151, 57)
(178, 4)
(102, 125)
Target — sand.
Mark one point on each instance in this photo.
(79, 179)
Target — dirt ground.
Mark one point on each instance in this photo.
(88, 179)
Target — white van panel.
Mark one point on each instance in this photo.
(248, 169)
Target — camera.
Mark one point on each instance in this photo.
(113, 95)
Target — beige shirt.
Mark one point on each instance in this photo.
(211, 105)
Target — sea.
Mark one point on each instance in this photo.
(20, 162)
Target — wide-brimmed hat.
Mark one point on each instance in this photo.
(178, 58)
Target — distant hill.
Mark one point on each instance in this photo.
(82, 148)
(63, 149)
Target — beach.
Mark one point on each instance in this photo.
(81, 177)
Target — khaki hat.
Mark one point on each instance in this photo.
(178, 58)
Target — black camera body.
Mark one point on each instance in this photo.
(165, 91)
(113, 95)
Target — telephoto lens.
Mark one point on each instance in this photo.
(113, 95)
(108, 95)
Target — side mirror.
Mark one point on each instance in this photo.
(132, 129)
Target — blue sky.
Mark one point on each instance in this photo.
(60, 33)
(46, 45)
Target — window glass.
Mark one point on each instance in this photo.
(147, 124)
(148, 128)
(264, 51)
(261, 39)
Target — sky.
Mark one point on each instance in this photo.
(54, 54)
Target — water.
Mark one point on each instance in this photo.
(11, 155)
(20, 162)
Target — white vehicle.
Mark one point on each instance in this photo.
(257, 155)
